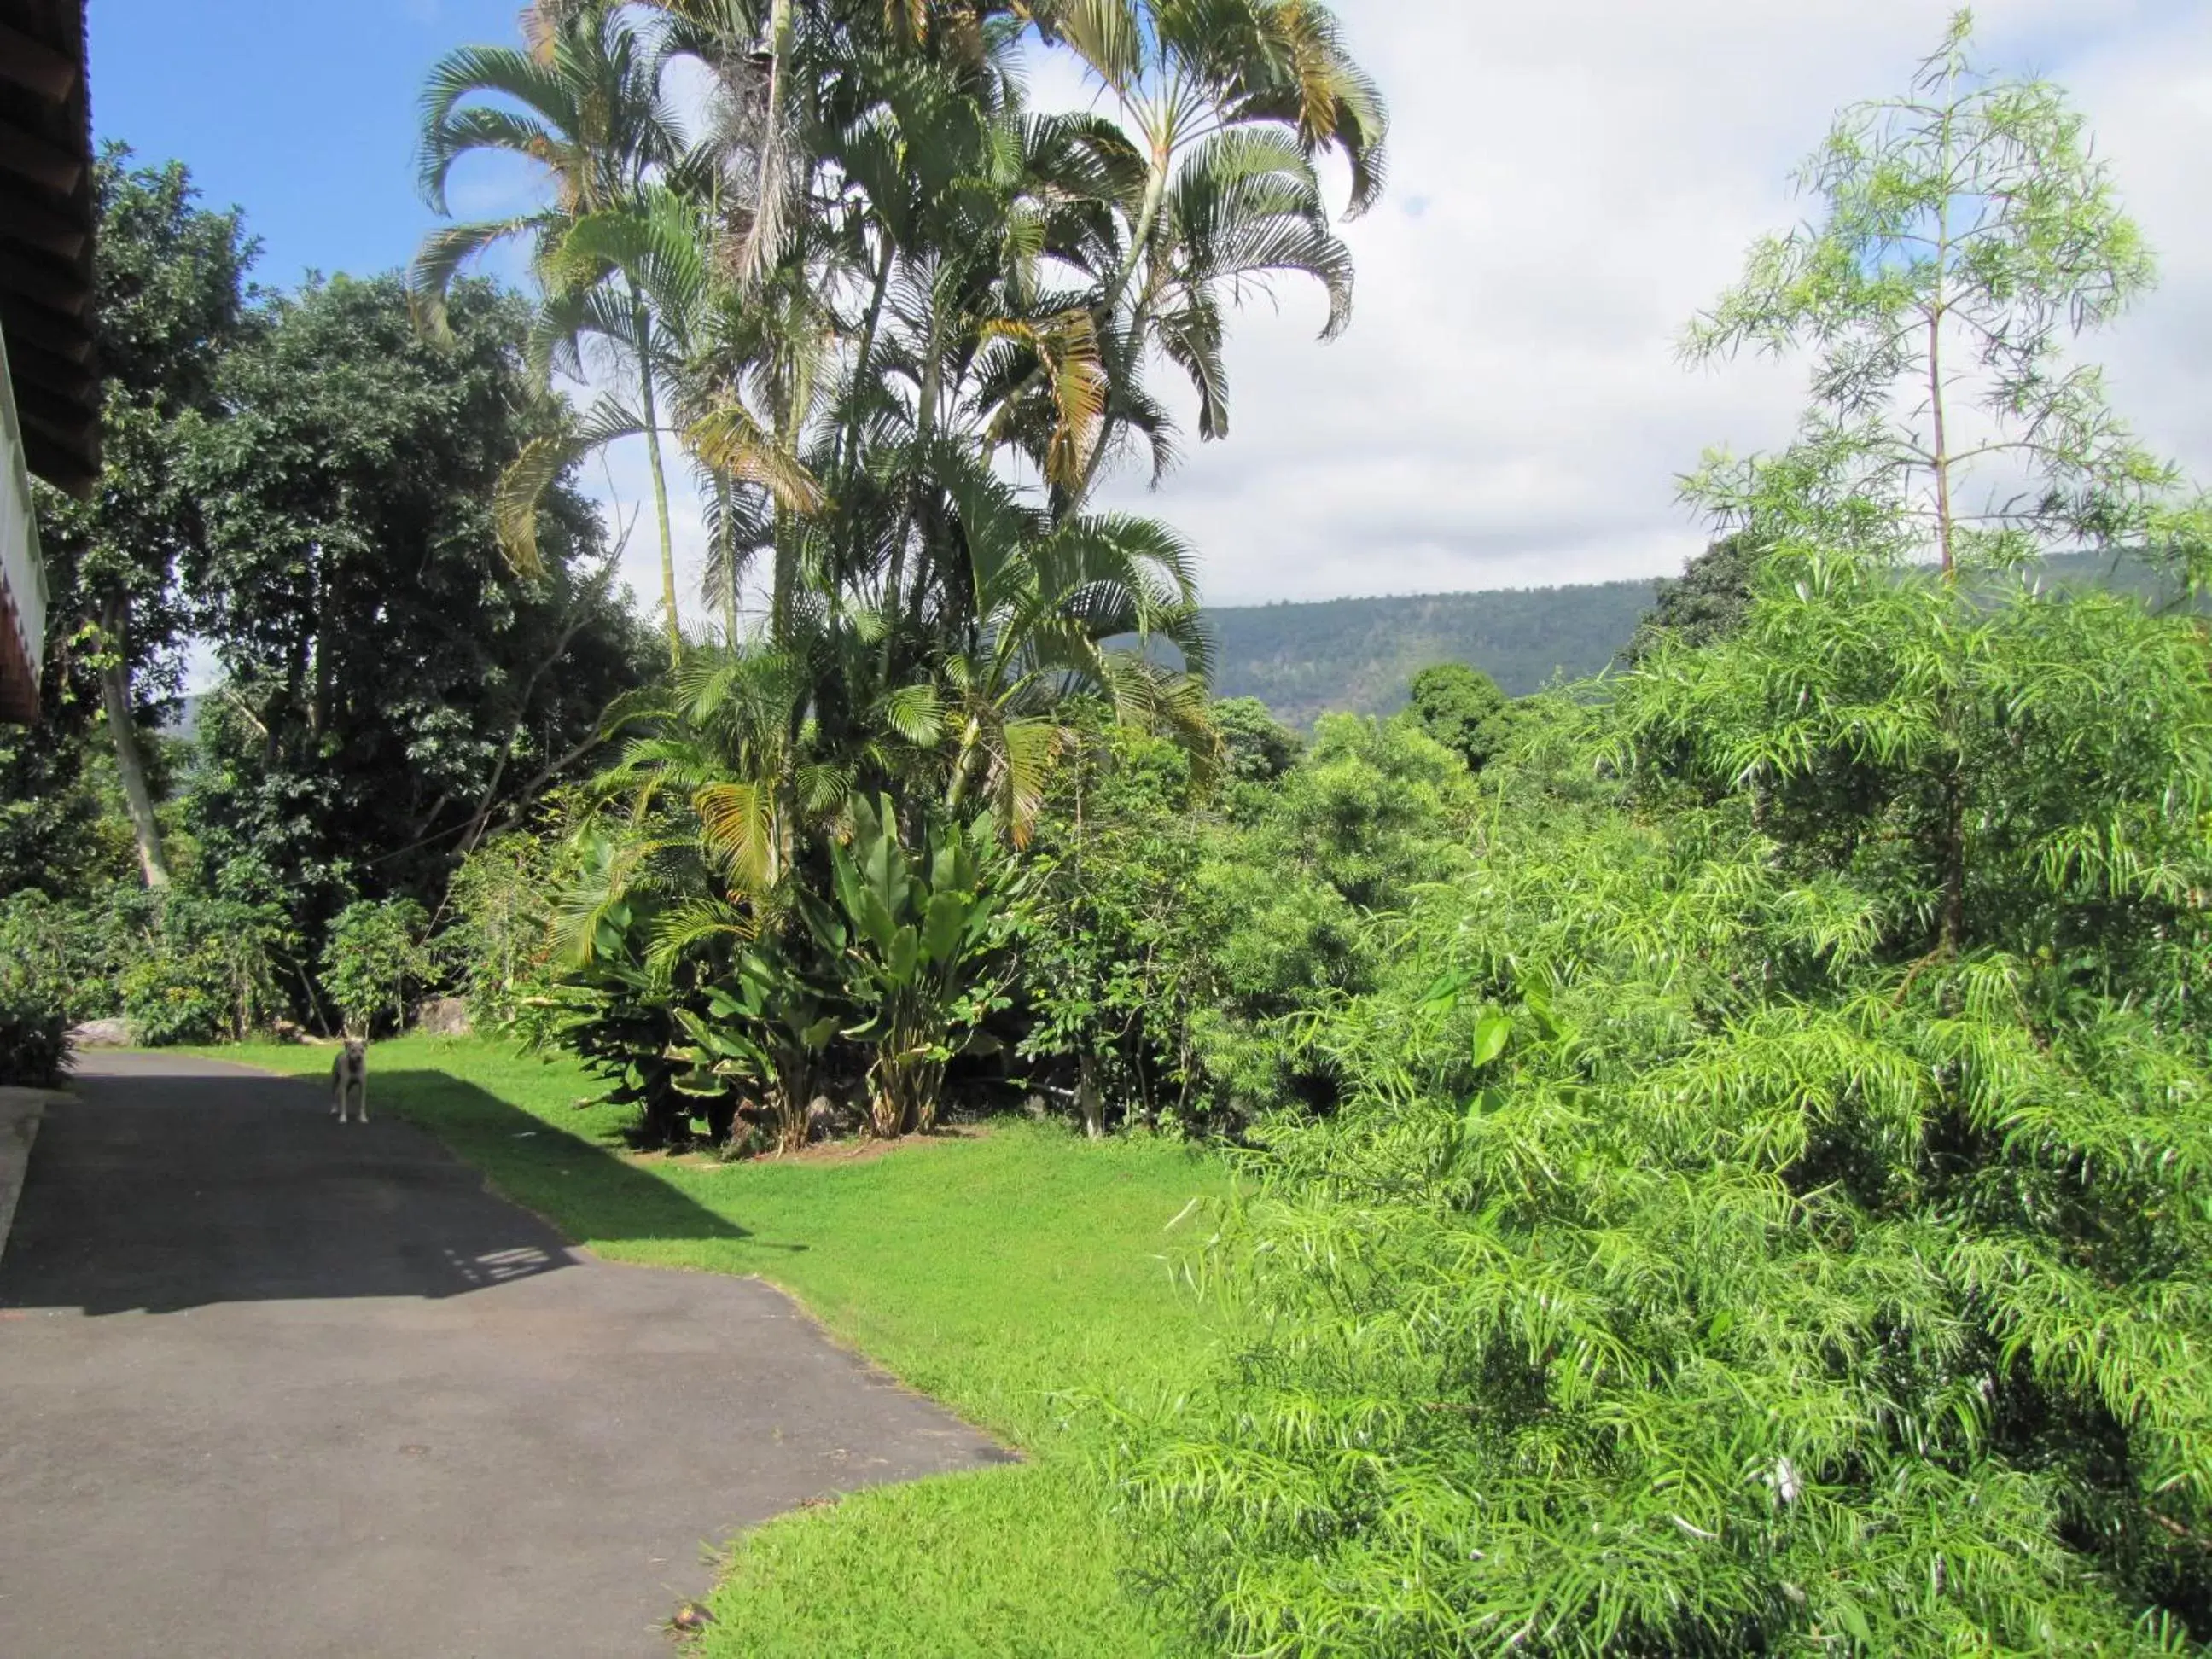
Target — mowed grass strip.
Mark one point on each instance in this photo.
(1009, 1274)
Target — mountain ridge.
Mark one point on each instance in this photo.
(1308, 658)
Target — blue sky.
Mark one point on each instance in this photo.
(300, 111)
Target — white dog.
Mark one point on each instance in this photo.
(349, 1079)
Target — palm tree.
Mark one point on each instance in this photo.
(653, 252)
(1047, 601)
(584, 102)
(1228, 103)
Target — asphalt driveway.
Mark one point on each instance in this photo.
(271, 1387)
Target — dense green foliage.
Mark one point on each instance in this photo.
(1706, 603)
(303, 483)
(34, 1033)
(373, 958)
(1463, 709)
(1762, 1207)
(389, 688)
(1692, 1265)
(168, 304)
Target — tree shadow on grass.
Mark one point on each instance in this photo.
(160, 1191)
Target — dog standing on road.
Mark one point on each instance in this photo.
(349, 1079)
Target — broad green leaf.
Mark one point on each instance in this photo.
(943, 930)
(904, 956)
(878, 921)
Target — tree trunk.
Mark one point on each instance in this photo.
(726, 505)
(1089, 1100)
(1147, 219)
(644, 341)
(123, 729)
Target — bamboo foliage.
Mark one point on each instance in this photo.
(1761, 1207)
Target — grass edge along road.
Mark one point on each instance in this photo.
(1000, 1274)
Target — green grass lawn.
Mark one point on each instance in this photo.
(1009, 1275)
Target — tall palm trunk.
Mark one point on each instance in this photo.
(1140, 237)
(123, 730)
(724, 507)
(641, 330)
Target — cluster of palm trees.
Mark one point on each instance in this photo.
(900, 325)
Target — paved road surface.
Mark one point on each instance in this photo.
(270, 1387)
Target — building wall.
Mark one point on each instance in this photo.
(23, 573)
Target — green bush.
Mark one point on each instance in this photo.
(1166, 938)
(606, 1004)
(498, 945)
(203, 969)
(1711, 1248)
(33, 1034)
(1461, 708)
(373, 958)
(73, 951)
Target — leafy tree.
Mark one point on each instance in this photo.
(1968, 234)
(373, 958)
(1256, 748)
(64, 830)
(169, 301)
(1112, 946)
(1459, 707)
(1706, 603)
(390, 691)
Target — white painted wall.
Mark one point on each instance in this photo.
(23, 572)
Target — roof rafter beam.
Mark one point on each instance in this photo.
(32, 157)
(33, 67)
(26, 219)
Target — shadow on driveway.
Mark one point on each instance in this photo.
(166, 1187)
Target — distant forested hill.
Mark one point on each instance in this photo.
(1360, 655)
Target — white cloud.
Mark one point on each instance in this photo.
(1570, 182)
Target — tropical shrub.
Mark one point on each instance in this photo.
(73, 951)
(766, 1028)
(915, 933)
(1111, 962)
(607, 1003)
(498, 944)
(1685, 1269)
(33, 1029)
(1171, 935)
(373, 958)
(203, 969)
